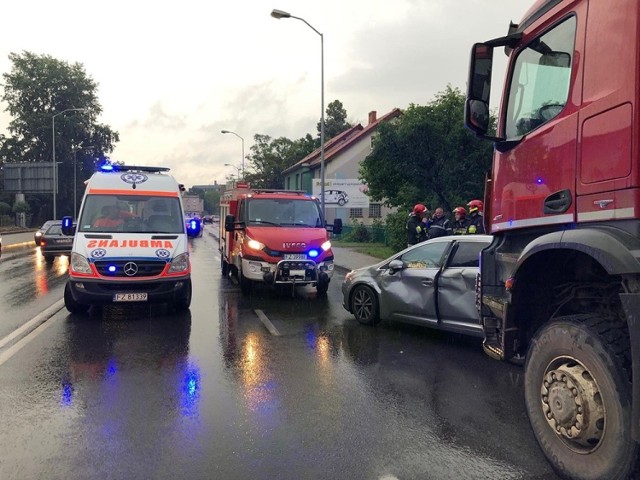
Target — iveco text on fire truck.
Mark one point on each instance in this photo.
(277, 237)
(560, 284)
(130, 242)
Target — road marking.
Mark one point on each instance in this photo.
(41, 324)
(267, 323)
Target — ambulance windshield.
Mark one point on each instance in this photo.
(284, 212)
(131, 214)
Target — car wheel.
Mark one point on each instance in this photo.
(341, 201)
(184, 302)
(364, 305)
(578, 397)
(71, 304)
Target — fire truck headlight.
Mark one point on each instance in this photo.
(254, 244)
(79, 263)
(180, 263)
(326, 245)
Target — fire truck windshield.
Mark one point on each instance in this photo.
(284, 212)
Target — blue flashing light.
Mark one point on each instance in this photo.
(106, 167)
(313, 253)
(193, 224)
(111, 268)
(67, 222)
(539, 181)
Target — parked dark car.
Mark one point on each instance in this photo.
(432, 283)
(54, 243)
(42, 229)
(207, 219)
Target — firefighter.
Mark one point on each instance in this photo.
(475, 219)
(439, 225)
(416, 225)
(460, 223)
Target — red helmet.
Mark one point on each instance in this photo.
(475, 205)
(460, 210)
(419, 209)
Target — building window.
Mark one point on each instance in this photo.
(355, 213)
(375, 210)
(288, 183)
(297, 181)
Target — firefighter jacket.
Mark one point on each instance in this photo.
(416, 230)
(439, 227)
(476, 223)
(459, 227)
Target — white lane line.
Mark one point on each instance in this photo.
(267, 323)
(42, 317)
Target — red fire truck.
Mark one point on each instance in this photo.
(278, 237)
(559, 286)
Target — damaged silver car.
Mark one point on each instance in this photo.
(431, 284)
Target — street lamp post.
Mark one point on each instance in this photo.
(281, 14)
(75, 181)
(234, 133)
(237, 168)
(55, 165)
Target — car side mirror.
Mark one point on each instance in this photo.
(68, 228)
(396, 265)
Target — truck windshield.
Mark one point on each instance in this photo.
(284, 212)
(131, 214)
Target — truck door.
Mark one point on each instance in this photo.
(534, 180)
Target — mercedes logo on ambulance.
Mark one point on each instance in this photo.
(130, 269)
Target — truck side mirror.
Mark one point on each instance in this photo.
(476, 112)
(229, 223)
(68, 228)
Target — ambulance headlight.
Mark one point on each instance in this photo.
(180, 263)
(254, 244)
(79, 264)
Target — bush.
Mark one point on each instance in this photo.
(396, 230)
(358, 233)
(21, 207)
(5, 208)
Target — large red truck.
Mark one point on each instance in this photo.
(560, 285)
(276, 237)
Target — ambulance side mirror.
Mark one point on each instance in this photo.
(68, 228)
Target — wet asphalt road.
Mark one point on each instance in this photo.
(140, 393)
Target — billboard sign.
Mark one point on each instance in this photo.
(28, 177)
(342, 193)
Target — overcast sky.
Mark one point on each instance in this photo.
(171, 75)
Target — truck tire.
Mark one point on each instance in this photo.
(578, 397)
(245, 283)
(322, 287)
(71, 304)
(224, 266)
(364, 305)
(183, 303)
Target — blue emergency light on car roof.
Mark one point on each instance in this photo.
(67, 222)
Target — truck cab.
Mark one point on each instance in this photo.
(276, 237)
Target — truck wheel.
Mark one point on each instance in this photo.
(364, 305)
(184, 302)
(578, 397)
(224, 266)
(71, 304)
(245, 283)
(322, 287)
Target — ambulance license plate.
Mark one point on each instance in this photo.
(295, 256)
(129, 297)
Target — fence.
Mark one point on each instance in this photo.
(364, 234)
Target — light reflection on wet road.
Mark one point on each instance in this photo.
(144, 393)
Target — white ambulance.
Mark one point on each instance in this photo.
(130, 241)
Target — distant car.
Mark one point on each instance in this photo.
(55, 243)
(432, 284)
(41, 230)
(335, 196)
(207, 219)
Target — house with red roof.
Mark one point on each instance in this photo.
(345, 194)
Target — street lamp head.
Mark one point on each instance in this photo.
(275, 13)
(225, 131)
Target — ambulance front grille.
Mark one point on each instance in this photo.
(142, 268)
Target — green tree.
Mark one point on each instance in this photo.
(212, 201)
(270, 157)
(335, 121)
(428, 156)
(37, 88)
